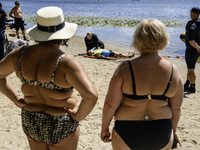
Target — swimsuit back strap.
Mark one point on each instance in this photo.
(20, 59)
(133, 78)
(169, 83)
(55, 68)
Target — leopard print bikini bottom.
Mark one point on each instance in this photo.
(47, 128)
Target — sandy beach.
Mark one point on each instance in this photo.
(100, 72)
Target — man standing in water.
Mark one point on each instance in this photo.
(16, 13)
(192, 52)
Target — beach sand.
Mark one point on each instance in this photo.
(100, 72)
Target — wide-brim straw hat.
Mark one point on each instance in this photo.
(51, 25)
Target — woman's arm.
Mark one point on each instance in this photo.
(77, 77)
(112, 102)
(175, 103)
(10, 92)
(6, 68)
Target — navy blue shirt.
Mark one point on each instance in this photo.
(2, 20)
(192, 32)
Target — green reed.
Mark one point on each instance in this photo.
(109, 22)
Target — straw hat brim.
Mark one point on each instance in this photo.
(64, 33)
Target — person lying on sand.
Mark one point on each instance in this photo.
(106, 54)
(15, 44)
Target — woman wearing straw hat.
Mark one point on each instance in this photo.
(50, 110)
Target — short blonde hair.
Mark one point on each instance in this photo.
(150, 34)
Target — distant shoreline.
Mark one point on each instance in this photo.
(123, 36)
(114, 22)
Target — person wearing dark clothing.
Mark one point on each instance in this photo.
(2, 30)
(192, 52)
(19, 23)
(92, 41)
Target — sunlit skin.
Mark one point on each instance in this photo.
(89, 36)
(38, 62)
(16, 12)
(151, 74)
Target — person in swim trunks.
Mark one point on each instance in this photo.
(106, 54)
(16, 13)
(49, 109)
(144, 96)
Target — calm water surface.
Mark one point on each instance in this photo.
(137, 9)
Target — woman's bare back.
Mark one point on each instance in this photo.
(38, 65)
(150, 79)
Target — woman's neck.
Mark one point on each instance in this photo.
(149, 53)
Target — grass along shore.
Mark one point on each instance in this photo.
(88, 21)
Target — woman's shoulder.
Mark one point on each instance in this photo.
(122, 68)
(70, 62)
(69, 58)
(124, 64)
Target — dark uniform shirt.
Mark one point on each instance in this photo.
(2, 30)
(192, 33)
(2, 20)
(93, 42)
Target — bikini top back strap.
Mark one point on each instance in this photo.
(20, 61)
(169, 83)
(55, 68)
(133, 78)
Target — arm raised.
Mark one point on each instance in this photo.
(78, 78)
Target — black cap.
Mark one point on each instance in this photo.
(195, 10)
(0, 5)
(17, 3)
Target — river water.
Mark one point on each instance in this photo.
(133, 9)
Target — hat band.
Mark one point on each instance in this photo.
(50, 28)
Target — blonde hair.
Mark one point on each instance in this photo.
(150, 34)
